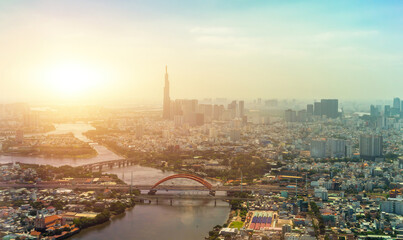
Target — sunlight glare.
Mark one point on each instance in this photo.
(73, 78)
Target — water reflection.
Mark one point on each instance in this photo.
(77, 129)
(184, 220)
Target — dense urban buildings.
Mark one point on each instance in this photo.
(371, 147)
(278, 120)
(346, 169)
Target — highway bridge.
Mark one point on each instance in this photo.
(145, 198)
(255, 188)
(98, 166)
(161, 186)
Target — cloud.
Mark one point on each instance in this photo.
(211, 30)
(343, 35)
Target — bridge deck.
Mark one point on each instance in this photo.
(267, 188)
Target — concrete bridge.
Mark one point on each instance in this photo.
(159, 186)
(145, 198)
(98, 166)
(254, 188)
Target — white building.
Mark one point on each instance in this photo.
(321, 193)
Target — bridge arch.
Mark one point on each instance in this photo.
(187, 176)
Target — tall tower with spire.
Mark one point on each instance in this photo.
(166, 112)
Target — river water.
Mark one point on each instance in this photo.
(77, 129)
(184, 220)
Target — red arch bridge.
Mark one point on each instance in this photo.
(200, 180)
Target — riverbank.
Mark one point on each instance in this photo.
(144, 163)
(52, 156)
(102, 221)
(186, 219)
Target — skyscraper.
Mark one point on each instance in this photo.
(396, 103)
(241, 108)
(290, 115)
(371, 147)
(302, 115)
(329, 108)
(166, 112)
(396, 107)
(317, 109)
(309, 109)
(232, 108)
(374, 111)
(387, 111)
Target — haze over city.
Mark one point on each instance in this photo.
(205, 119)
(115, 51)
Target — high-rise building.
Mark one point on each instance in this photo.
(371, 146)
(396, 107)
(396, 103)
(336, 148)
(393, 205)
(333, 148)
(302, 115)
(290, 115)
(374, 111)
(317, 109)
(309, 109)
(199, 119)
(318, 148)
(166, 112)
(232, 108)
(218, 111)
(386, 112)
(207, 110)
(241, 109)
(329, 108)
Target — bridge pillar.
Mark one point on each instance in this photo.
(215, 202)
(110, 165)
(152, 192)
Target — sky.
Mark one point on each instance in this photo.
(100, 51)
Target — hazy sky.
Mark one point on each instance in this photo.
(100, 51)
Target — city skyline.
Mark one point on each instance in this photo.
(278, 120)
(116, 52)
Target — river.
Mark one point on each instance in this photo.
(77, 129)
(184, 220)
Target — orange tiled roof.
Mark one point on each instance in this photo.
(51, 219)
(35, 233)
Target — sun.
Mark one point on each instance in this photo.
(72, 79)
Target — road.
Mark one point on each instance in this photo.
(267, 188)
